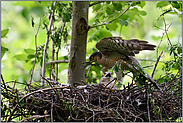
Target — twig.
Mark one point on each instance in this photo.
(156, 64)
(112, 19)
(149, 60)
(88, 71)
(3, 82)
(35, 116)
(166, 30)
(57, 61)
(148, 112)
(36, 51)
(52, 111)
(59, 47)
(45, 48)
(14, 82)
(53, 90)
(52, 54)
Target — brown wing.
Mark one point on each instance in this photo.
(117, 47)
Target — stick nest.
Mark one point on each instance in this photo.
(91, 103)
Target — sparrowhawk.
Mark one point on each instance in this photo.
(116, 49)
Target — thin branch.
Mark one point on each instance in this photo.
(52, 55)
(59, 47)
(36, 51)
(56, 92)
(156, 64)
(149, 60)
(57, 61)
(3, 82)
(166, 30)
(95, 3)
(148, 112)
(35, 116)
(88, 71)
(112, 19)
(45, 48)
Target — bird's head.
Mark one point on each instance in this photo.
(95, 56)
(107, 74)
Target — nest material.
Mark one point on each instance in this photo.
(91, 103)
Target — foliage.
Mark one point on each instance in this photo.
(109, 18)
(22, 44)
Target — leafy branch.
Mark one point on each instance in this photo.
(112, 19)
(92, 4)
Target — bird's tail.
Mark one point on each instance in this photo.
(138, 69)
(148, 46)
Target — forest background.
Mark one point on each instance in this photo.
(20, 22)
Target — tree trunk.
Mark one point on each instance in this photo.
(76, 71)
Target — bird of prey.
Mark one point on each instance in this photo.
(106, 79)
(114, 50)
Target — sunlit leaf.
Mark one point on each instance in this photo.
(3, 50)
(21, 57)
(4, 33)
(38, 10)
(104, 33)
(29, 51)
(142, 13)
(97, 7)
(162, 4)
(142, 4)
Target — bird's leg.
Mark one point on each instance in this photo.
(131, 85)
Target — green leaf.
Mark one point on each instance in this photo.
(117, 6)
(4, 33)
(38, 10)
(29, 51)
(160, 81)
(179, 49)
(112, 26)
(142, 4)
(143, 13)
(97, 7)
(3, 50)
(108, 2)
(67, 17)
(104, 33)
(156, 38)
(109, 11)
(180, 17)
(21, 57)
(123, 22)
(162, 4)
(30, 56)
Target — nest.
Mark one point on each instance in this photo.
(91, 103)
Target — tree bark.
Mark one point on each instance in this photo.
(76, 71)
